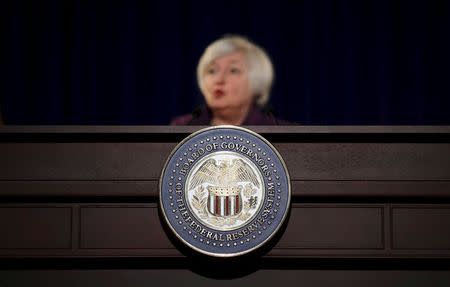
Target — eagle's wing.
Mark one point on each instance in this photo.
(206, 173)
(243, 172)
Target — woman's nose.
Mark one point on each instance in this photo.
(220, 77)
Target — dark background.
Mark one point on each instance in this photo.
(381, 62)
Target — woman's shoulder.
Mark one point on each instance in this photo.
(200, 116)
(181, 120)
(264, 116)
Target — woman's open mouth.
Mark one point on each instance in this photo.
(219, 93)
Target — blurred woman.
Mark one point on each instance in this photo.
(235, 77)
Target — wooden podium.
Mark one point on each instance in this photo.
(79, 205)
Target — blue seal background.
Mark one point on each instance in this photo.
(264, 232)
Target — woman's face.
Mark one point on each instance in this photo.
(226, 84)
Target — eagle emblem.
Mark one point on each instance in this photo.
(225, 181)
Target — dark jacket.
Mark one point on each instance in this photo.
(203, 116)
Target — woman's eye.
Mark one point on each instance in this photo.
(211, 71)
(235, 70)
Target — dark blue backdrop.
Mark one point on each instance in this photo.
(130, 62)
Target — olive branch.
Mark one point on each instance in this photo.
(199, 202)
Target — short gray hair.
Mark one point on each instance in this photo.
(260, 68)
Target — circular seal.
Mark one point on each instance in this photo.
(224, 191)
